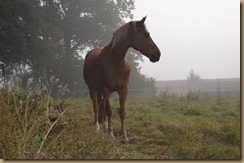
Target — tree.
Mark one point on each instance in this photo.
(43, 38)
(137, 79)
(87, 24)
(193, 80)
(47, 35)
(28, 37)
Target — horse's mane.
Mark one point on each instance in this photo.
(122, 32)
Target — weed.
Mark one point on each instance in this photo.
(189, 110)
(26, 122)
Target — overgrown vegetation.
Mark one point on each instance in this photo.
(27, 120)
(189, 110)
(159, 127)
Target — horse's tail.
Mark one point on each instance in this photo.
(101, 112)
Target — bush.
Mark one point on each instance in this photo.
(191, 111)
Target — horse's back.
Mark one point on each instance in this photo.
(92, 54)
(90, 67)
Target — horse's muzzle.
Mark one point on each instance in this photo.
(155, 57)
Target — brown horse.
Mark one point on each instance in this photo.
(107, 70)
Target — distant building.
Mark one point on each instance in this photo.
(205, 85)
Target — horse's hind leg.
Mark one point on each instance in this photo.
(101, 113)
(109, 114)
(93, 95)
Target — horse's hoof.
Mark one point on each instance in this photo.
(106, 125)
(125, 142)
(97, 127)
(112, 136)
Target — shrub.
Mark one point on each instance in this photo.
(191, 111)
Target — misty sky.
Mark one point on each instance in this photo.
(203, 35)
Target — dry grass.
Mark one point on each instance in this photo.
(157, 128)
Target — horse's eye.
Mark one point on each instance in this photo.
(147, 34)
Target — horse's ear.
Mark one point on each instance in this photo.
(141, 22)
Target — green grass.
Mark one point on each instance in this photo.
(162, 127)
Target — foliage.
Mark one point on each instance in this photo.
(193, 80)
(193, 76)
(29, 37)
(43, 38)
(156, 127)
(137, 79)
(189, 110)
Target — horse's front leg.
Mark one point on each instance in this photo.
(93, 95)
(122, 98)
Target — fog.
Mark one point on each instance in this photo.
(203, 35)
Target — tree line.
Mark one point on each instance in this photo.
(45, 38)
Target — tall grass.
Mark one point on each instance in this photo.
(159, 127)
(27, 119)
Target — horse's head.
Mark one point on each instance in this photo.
(142, 41)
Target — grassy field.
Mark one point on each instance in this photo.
(200, 126)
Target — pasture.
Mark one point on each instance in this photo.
(203, 126)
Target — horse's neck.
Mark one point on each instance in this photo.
(118, 52)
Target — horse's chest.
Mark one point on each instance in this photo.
(114, 78)
(117, 77)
